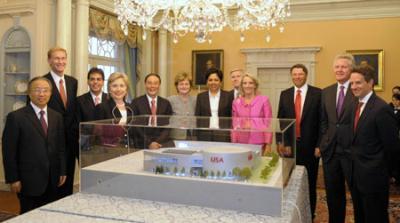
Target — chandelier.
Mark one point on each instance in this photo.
(203, 17)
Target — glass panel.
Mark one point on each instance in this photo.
(167, 157)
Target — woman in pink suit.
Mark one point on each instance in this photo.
(252, 114)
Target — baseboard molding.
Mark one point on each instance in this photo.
(4, 186)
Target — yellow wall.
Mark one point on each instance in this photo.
(332, 36)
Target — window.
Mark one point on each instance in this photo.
(106, 55)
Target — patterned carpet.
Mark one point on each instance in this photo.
(322, 209)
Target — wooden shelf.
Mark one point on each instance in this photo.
(18, 73)
(16, 94)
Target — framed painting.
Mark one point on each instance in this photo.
(202, 60)
(373, 58)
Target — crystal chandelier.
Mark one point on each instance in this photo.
(203, 17)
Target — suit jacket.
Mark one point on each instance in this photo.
(335, 131)
(29, 155)
(69, 113)
(310, 119)
(86, 107)
(224, 107)
(146, 135)
(224, 110)
(256, 115)
(374, 142)
(111, 135)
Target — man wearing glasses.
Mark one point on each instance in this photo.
(33, 146)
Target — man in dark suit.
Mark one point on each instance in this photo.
(307, 115)
(87, 102)
(336, 101)
(153, 105)
(374, 140)
(63, 100)
(236, 78)
(33, 149)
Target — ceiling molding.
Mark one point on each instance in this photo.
(106, 5)
(311, 10)
(17, 8)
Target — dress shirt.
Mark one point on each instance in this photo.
(155, 103)
(364, 100)
(150, 99)
(57, 79)
(235, 93)
(37, 112)
(214, 105)
(94, 97)
(124, 116)
(346, 87)
(303, 90)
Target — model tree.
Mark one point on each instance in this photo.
(245, 173)
(236, 172)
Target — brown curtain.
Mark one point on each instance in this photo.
(107, 26)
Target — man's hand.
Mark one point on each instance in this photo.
(61, 181)
(317, 152)
(16, 187)
(154, 145)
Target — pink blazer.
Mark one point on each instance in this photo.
(255, 116)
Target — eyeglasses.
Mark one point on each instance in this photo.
(41, 90)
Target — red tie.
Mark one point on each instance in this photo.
(297, 107)
(43, 122)
(153, 111)
(357, 117)
(62, 93)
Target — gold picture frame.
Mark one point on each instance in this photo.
(373, 58)
(202, 60)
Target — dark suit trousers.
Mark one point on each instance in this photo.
(28, 203)
(335, 174)
(311, 165)
(67, 188)
(370, 208)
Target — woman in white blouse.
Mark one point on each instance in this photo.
(214, 103)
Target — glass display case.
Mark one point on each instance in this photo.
(240, 164)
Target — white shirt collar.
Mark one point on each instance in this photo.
(150, 98)
(217, 95)
(365, 99)
(94, 96)
(56, 77)
(37, 109)
(346, 85)
(303, 88)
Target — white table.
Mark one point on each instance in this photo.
(82, 207)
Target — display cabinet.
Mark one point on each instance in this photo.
(240, 164)
(15, 70)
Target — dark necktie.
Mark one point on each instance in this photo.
(297, 107)
(62, 93)
(357, 117)
(339, 107)
(43, 122)
(153, 111)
